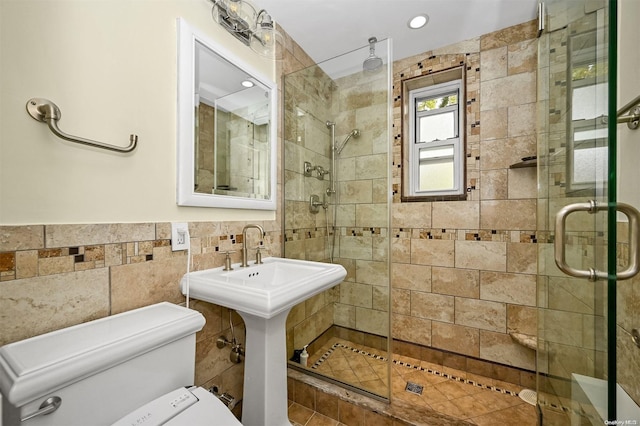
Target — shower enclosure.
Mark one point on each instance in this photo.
(586, 357)
(336, 209)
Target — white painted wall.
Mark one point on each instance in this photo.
(110, 65)
(628, 89)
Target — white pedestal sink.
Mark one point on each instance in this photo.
(263, 295)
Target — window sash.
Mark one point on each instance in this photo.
(416, 145)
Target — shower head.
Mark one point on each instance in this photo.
(373, 63)
(355, 133)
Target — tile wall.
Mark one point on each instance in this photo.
(358, 101)
(464, 272)
(55, 276)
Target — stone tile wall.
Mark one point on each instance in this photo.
(56, 276)
(358, 101)
(463, 272)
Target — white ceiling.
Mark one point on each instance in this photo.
(328, 28)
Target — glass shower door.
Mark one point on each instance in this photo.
(575, 189)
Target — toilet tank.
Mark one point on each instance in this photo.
(101, 369)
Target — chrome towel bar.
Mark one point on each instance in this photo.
(47, 112)
(633, 119)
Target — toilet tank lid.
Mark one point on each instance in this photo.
(36, 366)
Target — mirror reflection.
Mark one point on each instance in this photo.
(587, 153)
(232, 129)
(226, 127)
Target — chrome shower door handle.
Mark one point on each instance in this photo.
(593, 207)
(634, 241)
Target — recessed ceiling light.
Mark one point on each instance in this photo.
(248, 83)
(418, 21)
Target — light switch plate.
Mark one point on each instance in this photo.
(179, 236)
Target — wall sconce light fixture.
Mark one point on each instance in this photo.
(255, 29)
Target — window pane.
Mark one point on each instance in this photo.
(442, 151)
(584, 135)
(436, 171)
(436, 127)
(590, 165)
(429, 104)
(589, 102)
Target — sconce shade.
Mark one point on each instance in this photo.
(256, 30)
(266, 38)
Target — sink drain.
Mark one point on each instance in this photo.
(414, 388)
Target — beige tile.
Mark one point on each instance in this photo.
(372, 321)
(412, 277)
(517, 289)
(141, 284)
(26, 264)
(351, 414)
(411, 215)
(486, 255)
(523, 183)
(501, 153)
(356, 294)
(522, 319)
(509, 35)
(82, 235)
(501, 348)
(356, 247)
(37, 305)
(432, 306)
(522, 120)
(481, 314)
(456, 214)
(412, 329)
(370, 272)
(432, 252)
(493, 63)
(21, 237)
(299, 414)
(456, 338)
(493, 185)
(359, 191)
(523, 56)
(372, 215)
(508, 214)
(401, 301)
(401, 250)
(494, 124)
(456, 282)
(499, 92)
(371, 166)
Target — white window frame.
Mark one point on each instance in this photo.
(414, 147)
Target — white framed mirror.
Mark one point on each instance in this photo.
(226, 127)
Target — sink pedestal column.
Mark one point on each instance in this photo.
(265, 372)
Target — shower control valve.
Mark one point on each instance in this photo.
(309, 169)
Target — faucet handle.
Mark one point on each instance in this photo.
(259, 255)
(227, 259)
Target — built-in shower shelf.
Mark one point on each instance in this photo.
(526, 340)
(526, 162)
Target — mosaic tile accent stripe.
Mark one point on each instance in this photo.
(330, 351)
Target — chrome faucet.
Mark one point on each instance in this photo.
(244, 241)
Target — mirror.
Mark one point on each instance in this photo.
(226, 128)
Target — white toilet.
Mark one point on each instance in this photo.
(130, 368)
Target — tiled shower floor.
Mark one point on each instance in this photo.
(458, 394)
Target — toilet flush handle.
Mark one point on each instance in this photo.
(48, 406)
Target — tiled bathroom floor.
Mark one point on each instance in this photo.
(458, 394)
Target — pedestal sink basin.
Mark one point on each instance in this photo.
(263, 295)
